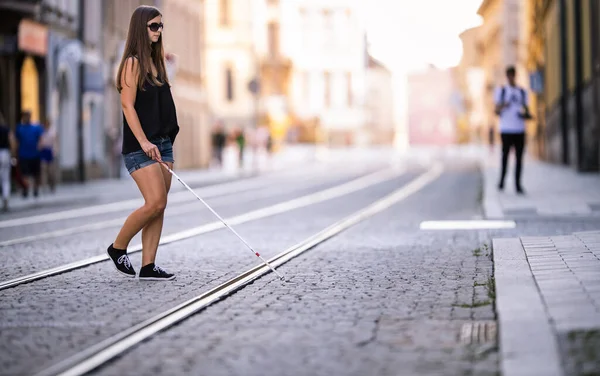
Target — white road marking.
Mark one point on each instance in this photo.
(182, 209)
(182, 196)
(467, 225)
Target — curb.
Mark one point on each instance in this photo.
(528, 345)
(491, 204)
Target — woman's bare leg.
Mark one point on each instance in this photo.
(153, 229)
(151, 184)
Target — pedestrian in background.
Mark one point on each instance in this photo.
(149, 131)
(219, 138)
(28, 137)
(511, 107)
(46, 147)
(6, 146)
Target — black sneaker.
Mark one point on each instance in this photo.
(121, 261)
(152, 272)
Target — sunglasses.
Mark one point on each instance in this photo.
(154, 26)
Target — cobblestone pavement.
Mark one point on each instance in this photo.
(39, 255)
(381, 298)
(54, 317)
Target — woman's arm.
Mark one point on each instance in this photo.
(128, 95)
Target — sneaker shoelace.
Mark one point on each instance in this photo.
(124, 260)
(159, 270)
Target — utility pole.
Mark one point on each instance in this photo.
(80, 37)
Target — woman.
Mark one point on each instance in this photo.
(149, 130)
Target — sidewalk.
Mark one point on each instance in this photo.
(547, 288)
(104, 190)
(551, 190)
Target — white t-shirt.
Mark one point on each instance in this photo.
(510, 122)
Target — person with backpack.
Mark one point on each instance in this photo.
(511, 107)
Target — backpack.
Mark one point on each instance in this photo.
(522, 95)
(525, 115)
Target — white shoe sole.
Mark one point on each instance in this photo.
(156, 279)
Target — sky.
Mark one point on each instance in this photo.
(408, 35)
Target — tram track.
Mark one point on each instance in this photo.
(180, 205)
(282, 207)
(99, 354)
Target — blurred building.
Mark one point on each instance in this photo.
(24, 45)
(500, 37)
(50, 56)
(184, 36)
(565, 64)
(379, 103)
(325, 41)
(471, 81)
(275, 70)
(432, 110)
(92, 101)
(231, 61)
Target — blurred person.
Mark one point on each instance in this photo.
(7, 144)
(219, 138)
(149, 130)
(28, 137)
(240, 139)
(511, 107)
(46, 147)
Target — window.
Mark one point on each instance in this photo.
(349, 88)
(224, 12)
(327, 81)
(273, 39)
(229, 83)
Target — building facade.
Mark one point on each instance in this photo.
(471, 81)
(379, 104)
(42, 65)
(231, 61)
(183, 36)
(567, 32)
(326, 43)
(274, 89)
(431, 112)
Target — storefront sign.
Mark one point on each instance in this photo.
(33, 37)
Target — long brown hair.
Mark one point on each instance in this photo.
(138, 46)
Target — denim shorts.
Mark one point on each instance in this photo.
(138, 159)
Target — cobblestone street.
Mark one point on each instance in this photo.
(382, 297)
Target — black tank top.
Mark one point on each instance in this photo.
(156, 110)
